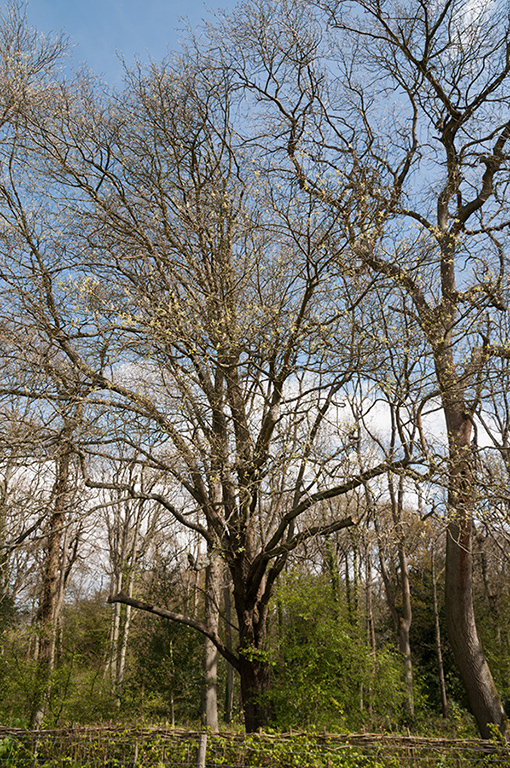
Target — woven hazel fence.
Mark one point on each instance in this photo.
(157, 748)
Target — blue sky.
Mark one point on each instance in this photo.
(98, 29)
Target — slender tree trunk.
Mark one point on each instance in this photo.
(439, 651)
(405, 621)
(113, 660)
(482, 694)
(59, 603)
(124, 543)
(370, 630)
(210, 655)
(122, 651)
(334, 576)
(406, 616)
(229, 688)
(356, 562)
(348, 588)
(47, 618)
(4, 556)
(121, 667)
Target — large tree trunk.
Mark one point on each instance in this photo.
(253, 662)
(254, 668)
(483, 697)
(255, 685)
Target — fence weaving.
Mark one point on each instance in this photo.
(160, 747)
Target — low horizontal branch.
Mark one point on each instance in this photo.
(180, 618)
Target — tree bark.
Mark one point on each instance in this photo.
(405, 622)
(255, 686)
(482, 694)
(210, 654)
(4, 556)
(112, 661)
(121, 666)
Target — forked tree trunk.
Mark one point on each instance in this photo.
(482, 694)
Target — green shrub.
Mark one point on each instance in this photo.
(324, 673)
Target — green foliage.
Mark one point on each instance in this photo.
(166, 667)
(7, 751)
(78, 690)
(75, 694)
(86, 630)
(297, 751)
(17, 678)
(325, 674)
(164, 663)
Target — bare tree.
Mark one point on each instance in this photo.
(200, 307)
(396, 117)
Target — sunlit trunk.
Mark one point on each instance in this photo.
(405, 622)
(210, 653)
